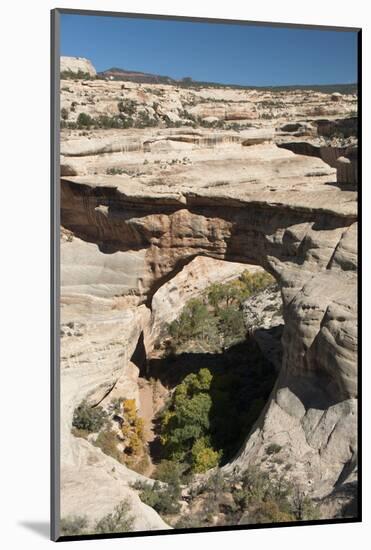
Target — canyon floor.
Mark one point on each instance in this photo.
(166, 191)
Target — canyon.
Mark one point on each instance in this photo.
(190, 187)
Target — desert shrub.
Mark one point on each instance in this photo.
(116, 403)
(267, 512)
(86, 417)
(116, 171)
(183, 113)
(73, 525)
(81, 75)
(107, 122)
(264, 499)
(169, 471)
(128, 106)
(64, 113)
(107, 441)
(119, 521)
(70, 125)
(245, 498)
(273, 448)
(303, 507)
(249, 497)
(211, 124)
(189, 521)
(211, 503)
(84, 120)
(231, 324)
(144, 120)
(164, 499)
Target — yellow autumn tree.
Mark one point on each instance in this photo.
(130, 410)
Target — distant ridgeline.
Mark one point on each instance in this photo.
(116, 73)
(82, 68)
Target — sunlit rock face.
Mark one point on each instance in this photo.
(76, 65)
(147, 212)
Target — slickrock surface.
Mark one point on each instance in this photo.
(95, 356)
(158, 101)
(138, 205)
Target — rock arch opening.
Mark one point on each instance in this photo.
(219, 324)
(304, 239)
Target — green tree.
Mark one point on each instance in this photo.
(187, 418)
(231, 324)
(203, 456)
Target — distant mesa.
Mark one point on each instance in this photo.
(77, 65)
(116, 73)
(82, 66)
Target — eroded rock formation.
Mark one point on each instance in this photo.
(76, 65)
(221, 196)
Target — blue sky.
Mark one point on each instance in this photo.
(236, 54)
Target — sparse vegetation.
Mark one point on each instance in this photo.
(215, 320)
(273, 448)
(250, 497)
(79, 75)
(116, 171)
(73, 525)
(212, 408)
(217, 381)
(84, 120)
(165, 499)
(127, 106)
(119, 521)
(64, 113)
(91, 419)
(210, 412)
(122, 436)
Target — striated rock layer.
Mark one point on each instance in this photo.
(303, 233)
(152, 214)
(95, 357)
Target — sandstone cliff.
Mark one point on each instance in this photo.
(181, 194)
(76, 65)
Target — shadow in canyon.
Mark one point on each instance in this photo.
(242, 381)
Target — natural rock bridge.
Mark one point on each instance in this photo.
(281, 211)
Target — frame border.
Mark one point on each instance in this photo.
(55, 277)
(55, 274)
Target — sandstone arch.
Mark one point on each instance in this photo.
(305, 235)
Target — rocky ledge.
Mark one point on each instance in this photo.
(130, 235)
